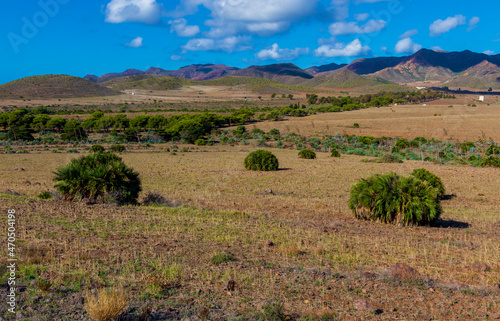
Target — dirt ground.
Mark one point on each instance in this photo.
(290, 237)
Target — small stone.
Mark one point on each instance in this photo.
(269, 243)
(481, 267)
(231, 285)
(364, 305)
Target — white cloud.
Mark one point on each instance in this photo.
(143, 11)
(407, 45)
(489, 52)
(353, 49)
(473, 23)
(228, 44)
(182, 29)
(362, 16)
(176, 57)
(135, 43)
(437, 48)
(348, 28)
(262, 17)
(409, 33)
(275, 53)
(439, 26)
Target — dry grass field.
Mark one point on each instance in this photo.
(256, 245)
(436, 120)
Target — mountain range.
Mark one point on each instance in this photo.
(465, 68)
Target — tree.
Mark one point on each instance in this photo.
(313, 98)
(56, 123)
(490, 89)
(40, 122)
(290, 96)
(105, 123)
(73, 131)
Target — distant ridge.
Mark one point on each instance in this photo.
(53, 86)
(342, 78)
(286, 73)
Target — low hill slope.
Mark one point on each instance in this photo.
(482, 76)
(342, 78)
(53, 86)
(147, 82)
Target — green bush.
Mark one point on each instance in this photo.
(424, 175)
(387, 158)
(390, 198)
(490, 161)
(273, 311)
(200, 142)
(98, 177)
(492, 150)
(355, 125)
(117, 148)
(307, 154)
(96, 149)
(402, 143)
(261, 160)
(335, 153)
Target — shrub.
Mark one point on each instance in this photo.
(200, 142)
(106, 305)
(355, 125)
(433, 180)
(117, 148)
(45, 195)
(490, 161)
(335, 153)
(393, 199)
(96, 149)
(274, 132)
(402, 143)
(388, 158)
(261, 160)
(97, 176)
(492, 150)
(307, 154)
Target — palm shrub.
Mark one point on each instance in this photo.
(96, 149)
(261, 160)
(335, 153)
(96, 177)
(393, 199)
(490, 161)
(307, 154)
(432, 179)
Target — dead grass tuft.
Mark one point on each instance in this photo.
(106, 304)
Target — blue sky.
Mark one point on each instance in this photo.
(78, 37)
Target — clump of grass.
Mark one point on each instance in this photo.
(388, 158)
(273, 311)
(156, 199)
(106, 304)
(424, 175)
(390, 198)
(168, 278)
(261, 160)
(307, 154)
(45, 195)
(43, 285)
(220, 258)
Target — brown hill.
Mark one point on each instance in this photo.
(195, 72)
(53, 86)
(319, 70)
(482, 76)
